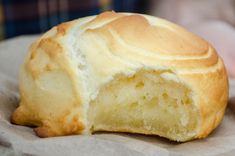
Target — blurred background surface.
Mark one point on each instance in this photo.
(214, 20)
(19, 17)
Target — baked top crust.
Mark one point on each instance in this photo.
(72, 61)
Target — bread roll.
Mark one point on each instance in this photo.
(122, 72)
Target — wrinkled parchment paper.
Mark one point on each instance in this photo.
(21, 141)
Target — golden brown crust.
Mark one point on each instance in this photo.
(211, 91)
(47, 57)
(144, 35)
(62, 28)
(55, 92)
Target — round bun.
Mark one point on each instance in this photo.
(122, 72)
